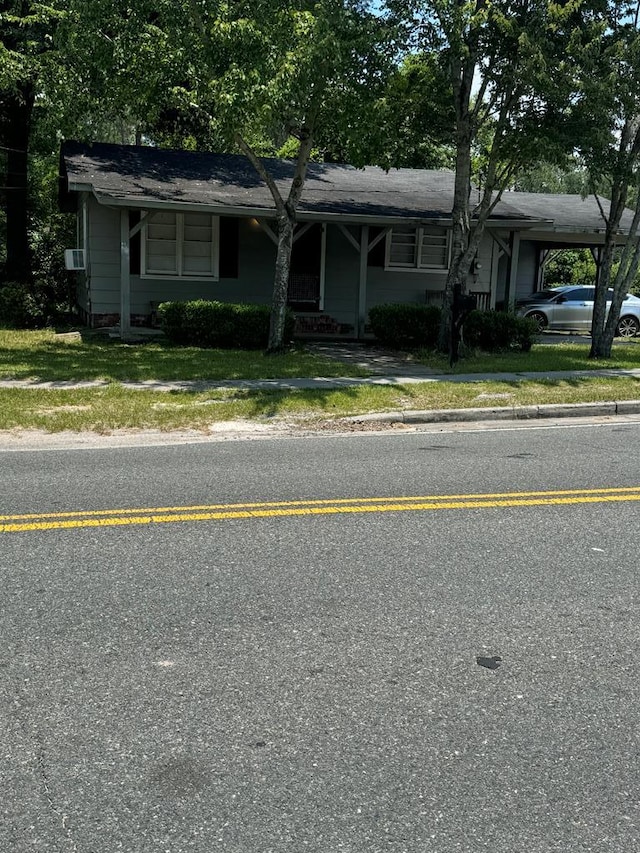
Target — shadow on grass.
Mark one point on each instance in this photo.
(99, 359)
(269, 403)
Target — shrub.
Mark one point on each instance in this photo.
(497, 330)
(171, 316)
(19, 308)
(408, 326)
(225, 325)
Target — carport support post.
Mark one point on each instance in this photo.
(125, 276)
(362, 285)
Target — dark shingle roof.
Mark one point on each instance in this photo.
(567, 211)
(146, 176)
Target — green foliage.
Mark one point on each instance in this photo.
(409, 125)
(539, 176)
(570, 266)
(493, 331)
(211, 324)
(26, 29)
(19, 308)
(405, 326)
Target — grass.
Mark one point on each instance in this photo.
(541, 358)
(116, 407)
(45, 356)
(48, 357)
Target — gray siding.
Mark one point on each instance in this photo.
(256, 263)
(103, 259)
(254, 282)
(257, 255)
(526, 275)
(342, 275)
(411, 286)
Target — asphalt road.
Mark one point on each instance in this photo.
(303, 676)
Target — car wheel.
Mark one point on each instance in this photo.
(628, 327)
(540, 320)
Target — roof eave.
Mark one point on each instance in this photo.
(302, 215)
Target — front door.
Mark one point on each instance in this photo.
(306, 270)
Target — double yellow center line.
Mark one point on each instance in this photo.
(339, 506)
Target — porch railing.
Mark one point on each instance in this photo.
(482, 298)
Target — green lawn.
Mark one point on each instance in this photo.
(47, 356)
(542, 357)
(116, 407)
(42, 355)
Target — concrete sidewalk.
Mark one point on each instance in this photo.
(429, 416)
(413, 377)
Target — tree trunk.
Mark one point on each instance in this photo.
(603, 328)
(286, 223)
(462, 77)
(286, 218)
(601, 337)
(15, 137)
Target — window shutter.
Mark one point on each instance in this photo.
(197, 245)
(435, 247)
(376, 255)
(229, 242)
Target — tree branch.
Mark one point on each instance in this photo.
(302, 162)
(260, 168)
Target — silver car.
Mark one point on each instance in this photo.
(570, 309)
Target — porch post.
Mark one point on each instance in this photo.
(362, 285)
(495, 260)
(323, 264)
(512, 272)
(125, 277)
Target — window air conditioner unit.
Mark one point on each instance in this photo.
(74, 259)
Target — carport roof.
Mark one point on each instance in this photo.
(568, 212)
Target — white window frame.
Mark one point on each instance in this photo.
(213, 275)
(416, 265)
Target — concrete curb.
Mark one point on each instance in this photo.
(503, 413)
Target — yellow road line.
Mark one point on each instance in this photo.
(302, 508)
(325, 502)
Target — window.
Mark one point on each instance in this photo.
(181, 245)
(421, 248)
(580, 294)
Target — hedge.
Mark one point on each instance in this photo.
(415, 326)
(223, 325)
(492, 331)
(410, 326)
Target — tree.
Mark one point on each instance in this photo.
(511, 97)
(570, 266)
(611, 102)
(541, 177)
(411, 125)
(26, 59)
(288, 69)
(247, 76)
